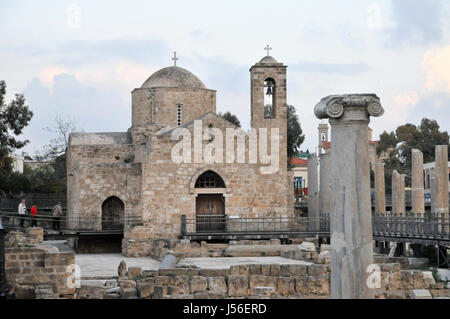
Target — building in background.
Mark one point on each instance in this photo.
(299, 167)
(428, 169)
(324, 146)
(17, 163)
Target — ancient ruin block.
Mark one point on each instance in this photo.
(145, 289)
(237, 286)
(217, 285)
(285, 286)
(261, 281)
(317, 270)
(197, 283)
(380, 189)
(417, 189)
(313, 285)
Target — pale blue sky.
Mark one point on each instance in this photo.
(399, 50)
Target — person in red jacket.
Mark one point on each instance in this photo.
(33, 216)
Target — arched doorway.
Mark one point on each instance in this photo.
(112, 213)
(210, 203)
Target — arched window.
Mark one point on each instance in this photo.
(209, 179)
(179, 114)
(269, 98)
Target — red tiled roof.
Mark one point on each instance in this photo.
(298, 161)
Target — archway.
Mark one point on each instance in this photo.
(112, 213)
(210, 203)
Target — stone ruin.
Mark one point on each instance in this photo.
(35, 270)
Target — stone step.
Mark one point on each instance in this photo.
(389, 267)
(405, 262)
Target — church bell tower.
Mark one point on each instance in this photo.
(323, 136)
(268, 99)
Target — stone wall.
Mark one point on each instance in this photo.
(169, 192)
(96, 172)
(399, 276)
(138, 168)
(255, 281)
(33, 269)
(158, 248)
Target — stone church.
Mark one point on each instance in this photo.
(114, 178)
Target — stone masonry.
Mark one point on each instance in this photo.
(440, 196)
(137, 168)
(417, 189)
(325, 182)
(351, 220)
(380, 192)
(33, 268)
(398, 193)
(313, 192)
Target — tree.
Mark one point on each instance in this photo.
(50, 176)
(58, 145)
(230, 118)
(295, 136)
(405, 138)
(14, 117)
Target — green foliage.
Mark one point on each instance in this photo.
(14, 117)
(13, 182)
(50, 174)
(436, 276)
(230, 118)
(405, 138)
(295, 136)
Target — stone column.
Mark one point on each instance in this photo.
(351, 220)
(313, 193)
(440, 196)
(380, 189)
(325, 190)
(398, 193)
(417, 190)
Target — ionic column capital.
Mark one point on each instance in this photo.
(338, 106)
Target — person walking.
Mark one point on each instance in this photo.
(57, 213)
(22, 211)
(34, 215)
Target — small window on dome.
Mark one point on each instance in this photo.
(179, 114)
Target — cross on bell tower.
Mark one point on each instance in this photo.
(268, 48)
(175, 58)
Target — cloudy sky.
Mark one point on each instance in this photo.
(81, 59)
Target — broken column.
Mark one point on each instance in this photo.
(351, 220)
(417, 190)
(440, 195)
(380, 190)
(325, 190)
(313, 193)
(398, 193)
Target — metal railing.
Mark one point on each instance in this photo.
(14, 221)
(407, 226)
(432, 226)
(43, 201)
(225, 224)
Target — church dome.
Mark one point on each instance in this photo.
(173, 77)
(268, 60)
